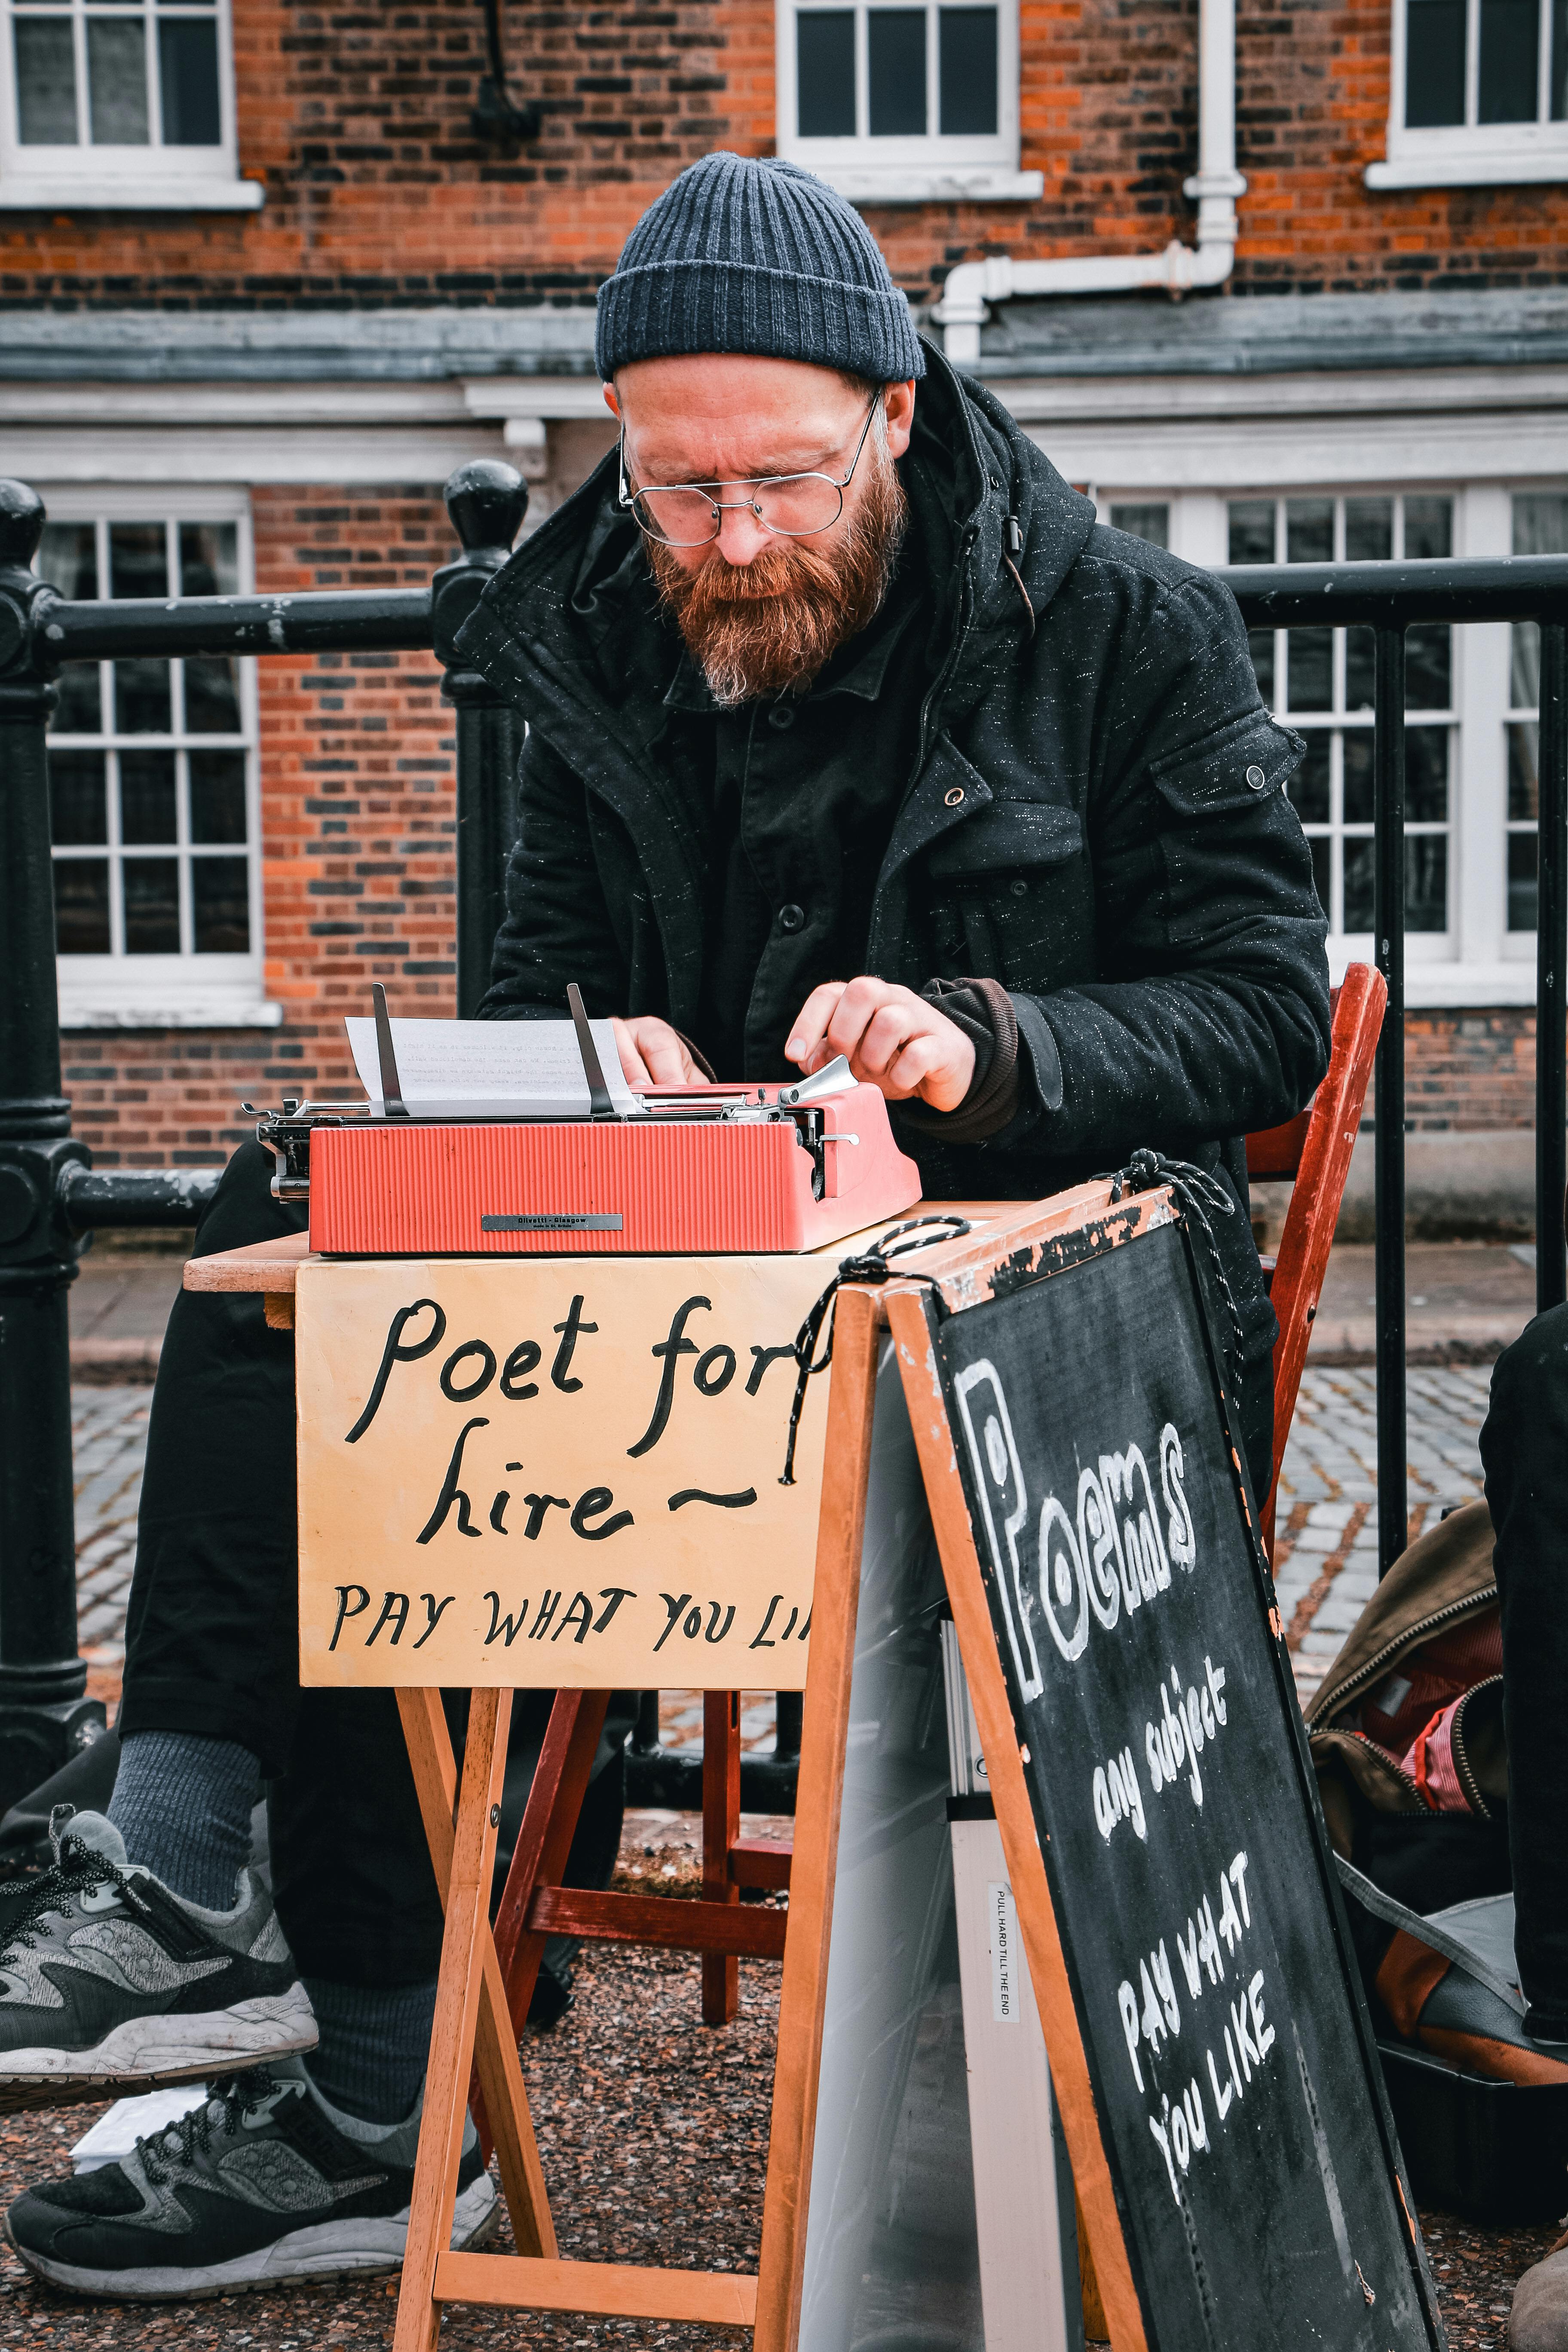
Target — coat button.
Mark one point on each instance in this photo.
(782, 715)
(1256, 779)
(954, 799)
(1020, 889)
(792, 917)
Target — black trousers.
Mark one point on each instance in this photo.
(212, 1638)
(1524, 1450)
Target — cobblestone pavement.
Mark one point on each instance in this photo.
(108, 1426)
(1325, 1562)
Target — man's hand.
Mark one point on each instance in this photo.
(892, 1038)
(652, 1053)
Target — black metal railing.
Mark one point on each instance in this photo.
(51, 1195)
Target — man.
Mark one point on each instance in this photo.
(850, 731)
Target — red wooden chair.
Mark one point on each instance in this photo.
(1314, 1148)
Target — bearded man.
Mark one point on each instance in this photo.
(850, 731)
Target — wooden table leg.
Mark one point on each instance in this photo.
(543, 1841)
(720, 1828)
(502, 2094)
(452, 2034)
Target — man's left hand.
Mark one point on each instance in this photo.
(892, 1039)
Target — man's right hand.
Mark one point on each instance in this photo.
(653, 1053)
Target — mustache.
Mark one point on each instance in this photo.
(764, 628)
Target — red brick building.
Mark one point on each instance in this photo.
(263, 284)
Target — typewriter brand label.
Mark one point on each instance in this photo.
(554, 1220)
(556, 1471)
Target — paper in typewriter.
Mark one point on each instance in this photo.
(471, 1069)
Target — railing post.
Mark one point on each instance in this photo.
(44, 1715)
(1551, 949)
(1388, 895)
(487, 502)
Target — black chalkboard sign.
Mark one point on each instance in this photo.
(1255, 2169)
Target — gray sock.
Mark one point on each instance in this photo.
(183, 1804)
(375, 2046)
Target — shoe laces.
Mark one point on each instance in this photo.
(78, 1870)
(229, 2103)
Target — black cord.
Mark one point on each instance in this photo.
(1198, 1192)
(871, 1265)
(494, 115)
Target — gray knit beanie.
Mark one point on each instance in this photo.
(760, 256)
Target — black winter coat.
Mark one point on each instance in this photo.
(1166, 954)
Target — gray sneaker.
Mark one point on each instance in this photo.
(109, 1982)
(265, 2184)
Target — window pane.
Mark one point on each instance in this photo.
(1524, 778)
(147, 796)
(1426, 776)
(152, 906)
(1521, 883)
(79, 803)
(1260, 646)
(1308, 787)
(68, 558)
(896, 63)
(1433, 63)
(966, 51)
(209, 558)
(221, 906)
(1368, 531)
(825, 73)
(81, 906)
(1426, 882)
(1428, 528)
(1540, 523)
(1309, 530)
(1322, 870)
(1357, 787)
(1251, 530)
(79, 701)
(1358, 885)
(211, 696)
(1361, 668)
(1150, 522)
(141, 705)
(1428, 677)
(1310, 658)
(1558, 69)
(138, 559)
(1524, 666)
(117, 81)
(217, 796)
(45, 82)
(188, 82)
(1509, 60)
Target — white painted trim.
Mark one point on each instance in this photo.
(88, 193)
(1305, 392)
(570, 399)
(1277, 453)
(1437, 987)
(82, 1007)
(1459, 169)
(347, 455)
(970, 184)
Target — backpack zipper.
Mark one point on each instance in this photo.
(1412, 1639)
(1462, 1768)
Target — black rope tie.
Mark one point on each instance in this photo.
(871, 1265)
(1198, 1192)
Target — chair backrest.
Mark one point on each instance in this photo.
(1315, 1149)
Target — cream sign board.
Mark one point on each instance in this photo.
(556, 1473)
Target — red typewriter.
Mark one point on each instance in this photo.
(688, 1171)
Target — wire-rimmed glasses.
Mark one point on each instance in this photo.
(794, 506)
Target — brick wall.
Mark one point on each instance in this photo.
(357, 820)
(1470, 1070)
(356, 120)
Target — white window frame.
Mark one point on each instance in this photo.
(980, 169)
(86, 177)
(1471, 153)
(174, 992)
(1477, 960)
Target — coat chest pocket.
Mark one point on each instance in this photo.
(1003, 889)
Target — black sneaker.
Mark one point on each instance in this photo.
(263, 2185)
(109, 1983)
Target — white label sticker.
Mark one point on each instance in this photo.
(1005, 1957)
